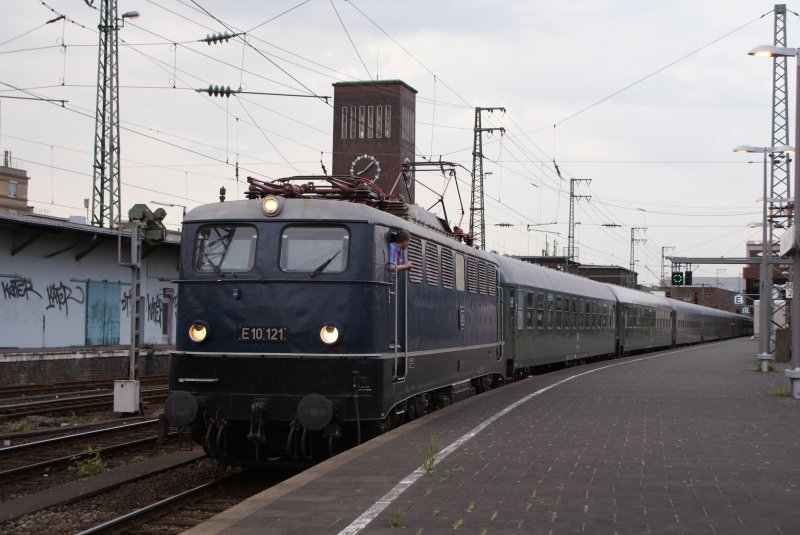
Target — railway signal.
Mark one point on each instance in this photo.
(677, 278)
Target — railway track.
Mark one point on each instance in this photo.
(28, 391)
(186, 509)
(169, 500)
(70, 403)
(33, 466)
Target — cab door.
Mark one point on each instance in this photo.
(397, 299)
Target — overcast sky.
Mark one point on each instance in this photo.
(645, 99)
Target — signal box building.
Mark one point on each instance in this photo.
(374, 132)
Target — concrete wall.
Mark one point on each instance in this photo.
(47, 275)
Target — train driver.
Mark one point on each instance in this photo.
(399, 244)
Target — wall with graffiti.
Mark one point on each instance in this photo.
(62, 288)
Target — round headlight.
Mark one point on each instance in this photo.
(271, 206)
(329, 334)
(198, 332)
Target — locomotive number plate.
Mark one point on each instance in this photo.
(262, 334)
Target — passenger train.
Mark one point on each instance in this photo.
(296, 341)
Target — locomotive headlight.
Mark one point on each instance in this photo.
(198, 331)
(271, 206)
(330, 334)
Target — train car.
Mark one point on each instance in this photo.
(687, 322)
(297, 340)
(644, 321)
(550, 316)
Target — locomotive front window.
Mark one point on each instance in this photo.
(225, 248)
(314, 249)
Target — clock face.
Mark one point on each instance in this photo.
(366, 166)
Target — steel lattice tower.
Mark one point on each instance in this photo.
(105, 190)
(572, 199)
(477, 222)
(780, 175)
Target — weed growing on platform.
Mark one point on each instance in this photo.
(776, 390)
(138, 458)
(396, 518)
(457, 523)
(429, 456)
(450, 472)
(87, 464)
(757, 367)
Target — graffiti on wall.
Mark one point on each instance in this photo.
(59, 295)
(154, 309)
(154, 305)
(125, 303)
(19, 288)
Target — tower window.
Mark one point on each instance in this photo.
(370, 121)
(352, 122)
(387, 122)
(361, 123)
(378, 121)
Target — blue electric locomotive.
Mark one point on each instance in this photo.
(298, 340)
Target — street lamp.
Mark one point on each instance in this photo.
(765, 272)
(794, 323)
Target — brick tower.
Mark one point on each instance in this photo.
(373, 131)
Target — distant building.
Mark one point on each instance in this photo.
(751, 273)
(61, 285)
(13, 187)
(608, 274)
(374, 132)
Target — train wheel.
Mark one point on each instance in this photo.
(209, 440)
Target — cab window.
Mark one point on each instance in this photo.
(314, 249)
(225, 248)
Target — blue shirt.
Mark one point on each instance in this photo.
(395, 254)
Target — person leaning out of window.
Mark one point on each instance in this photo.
(399, 244)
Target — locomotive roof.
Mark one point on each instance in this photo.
(517, 272)
(294, 209)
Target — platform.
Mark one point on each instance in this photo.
(692, 440)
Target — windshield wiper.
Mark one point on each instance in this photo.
(216, 268)
(324, 265)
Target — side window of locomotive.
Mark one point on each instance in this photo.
(520, 309)
(225, 248)
(314, 249)
(460, 272)
(550, 304)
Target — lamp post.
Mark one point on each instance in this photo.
(765, 272)
(792, 373)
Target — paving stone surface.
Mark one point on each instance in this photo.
(688, 441)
